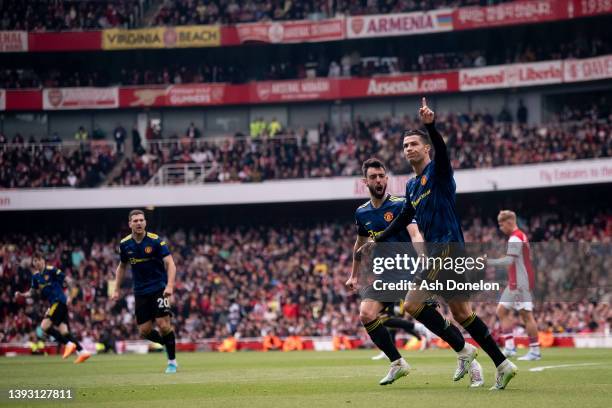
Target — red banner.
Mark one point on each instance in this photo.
(198, 95)
(288, 91)
(399, 85)
(142, 97)
(298, 90)
(175, 95)
(386, 25)
(589, 69)
(292, 31)
(13, 41)
(318, 89)
(21, 100)
(585, 8)
(509, 76)
(80, 98)
(519, 12)
(229, 36)
(66, 41)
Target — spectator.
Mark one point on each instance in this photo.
(81, 134)
(136, 141)
(18, 139)
(480, 61)
(119, 134)
(193, 132)
(504, 115)
(274, 127)
(521, 113)
(334, 70)
(98, 133)
(257, 127)
(55, 138)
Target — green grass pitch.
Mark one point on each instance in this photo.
(308, 379)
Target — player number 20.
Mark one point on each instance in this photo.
(163, 302)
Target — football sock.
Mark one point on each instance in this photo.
(155, 337)
(481, 335)
(170, 342)
(509, 341)
(434, 321)
(52, 331)
(381, 337)
(71, 338)
(408, 327)
(534, 345)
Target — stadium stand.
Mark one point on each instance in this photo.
(183, 12)
(475, 141)
(252, 280)
(330, 62)
(54, 164)
(43, 15)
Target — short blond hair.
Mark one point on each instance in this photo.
(505, 215)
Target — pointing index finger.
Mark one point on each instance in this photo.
(424, 102)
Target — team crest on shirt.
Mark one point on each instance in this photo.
(388, 216)
(148, 250)
(423, 180)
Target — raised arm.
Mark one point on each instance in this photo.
(441, 159)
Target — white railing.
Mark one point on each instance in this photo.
(62, 145)
(226, 140)
(181, 174)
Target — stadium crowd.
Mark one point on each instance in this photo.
(284, 279)
(186, 12)
(304, 64)
(44, 15)
(475, 141)
(53, 164)
(62, 15)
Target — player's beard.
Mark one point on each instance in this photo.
(376, 194)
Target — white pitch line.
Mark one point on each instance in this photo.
(538, 369)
